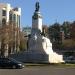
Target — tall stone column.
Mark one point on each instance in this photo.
(37, 19)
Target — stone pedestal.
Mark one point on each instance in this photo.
(31, 57)
(40, 50)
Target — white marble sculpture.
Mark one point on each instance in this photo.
(53, 56)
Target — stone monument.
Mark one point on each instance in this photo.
(40, 47)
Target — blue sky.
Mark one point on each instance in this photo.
(51, 10)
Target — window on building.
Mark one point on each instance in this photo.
(10, 17)
(3, 21)
(3, 12)
(14, 18)
(19, 20)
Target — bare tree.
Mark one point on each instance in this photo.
(9, 38)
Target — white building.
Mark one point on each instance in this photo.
(9, 15)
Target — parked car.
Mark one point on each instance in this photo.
(10, 63)
(70, 59)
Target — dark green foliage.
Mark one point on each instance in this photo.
(54, 32)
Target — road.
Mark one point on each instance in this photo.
(37, 70)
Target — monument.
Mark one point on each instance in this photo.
(40, 47)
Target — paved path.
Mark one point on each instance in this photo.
(36, 70)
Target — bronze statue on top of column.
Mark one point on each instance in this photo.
(37, 6)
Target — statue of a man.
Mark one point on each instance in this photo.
(37, 6)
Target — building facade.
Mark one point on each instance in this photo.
(7, 13)
(10, 16)
(26, 31)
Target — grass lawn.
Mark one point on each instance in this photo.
(54, 65)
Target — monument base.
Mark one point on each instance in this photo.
(41, 47)
(31, 57)
(36, 57)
